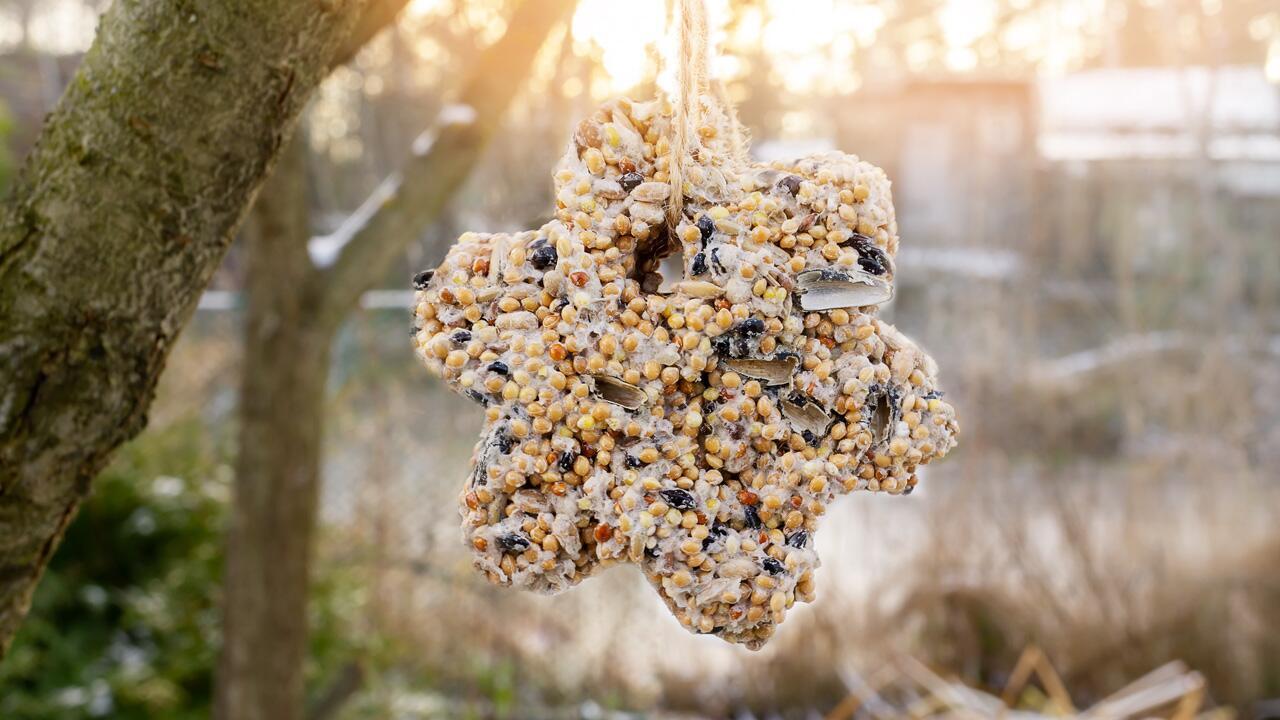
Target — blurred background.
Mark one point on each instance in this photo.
(1088, 193)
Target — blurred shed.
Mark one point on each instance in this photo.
(961, 154)
(1174, 164)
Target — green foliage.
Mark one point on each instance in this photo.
(125, 623)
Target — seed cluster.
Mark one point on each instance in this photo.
(697, 425)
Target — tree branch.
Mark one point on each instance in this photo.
(410, 200)
(377, 15)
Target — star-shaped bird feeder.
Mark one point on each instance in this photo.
(685, 383)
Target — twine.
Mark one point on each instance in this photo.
(691, 77)
(695, 95)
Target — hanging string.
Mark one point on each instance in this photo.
(737, 132)
(691, 79)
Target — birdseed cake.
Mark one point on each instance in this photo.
(687, 392)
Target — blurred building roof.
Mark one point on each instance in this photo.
(1154, 113)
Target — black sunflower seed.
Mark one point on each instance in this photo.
(718, 530)
(543, 257)
(699, 264)
(706, 226)
(513, 542)
(566, 461)
(630, 181)
(870, 258)
(504, 442)
(678, 499)
(791, 184)
(773, 566)
(421, 279)
(798, 539)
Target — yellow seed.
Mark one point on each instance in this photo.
(594, 160)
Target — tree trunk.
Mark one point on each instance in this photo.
(294, 311)
(123, 210)
(281, 412)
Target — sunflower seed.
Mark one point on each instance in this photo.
(774, 371)
(806, 415)
(828, 289)
(624, 394)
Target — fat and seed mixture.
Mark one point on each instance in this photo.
(688, 394)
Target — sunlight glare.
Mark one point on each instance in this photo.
(623, 32)
(964, 21)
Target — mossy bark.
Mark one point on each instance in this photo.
(122, 212)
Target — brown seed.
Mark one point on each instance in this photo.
(588, 134)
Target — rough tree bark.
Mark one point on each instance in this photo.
(123, 210)
(294, 310)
